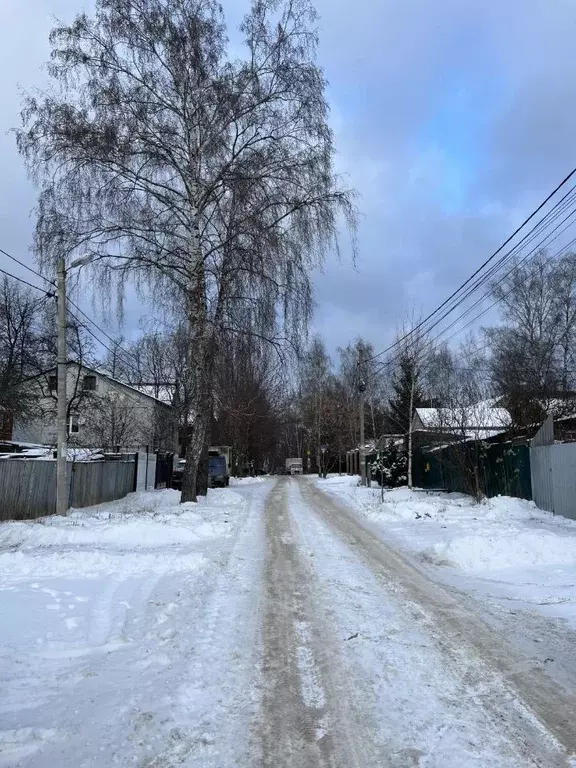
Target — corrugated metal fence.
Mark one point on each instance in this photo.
(497, 469)
(553, 469)
(28, 488)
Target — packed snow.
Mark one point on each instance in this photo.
(99, 611)
(503, 547)
(248, 480)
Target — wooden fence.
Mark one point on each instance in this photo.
(28, 487)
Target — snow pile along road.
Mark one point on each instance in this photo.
(145, 532)
(523, 552)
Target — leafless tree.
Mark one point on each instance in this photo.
(81, 352)
(207, 177)
(532, 351)
(411, 356)
(362, 351)
(19, 347)
(250, 403)
(315, 382)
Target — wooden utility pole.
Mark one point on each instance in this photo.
(62, 490)
(362, 392)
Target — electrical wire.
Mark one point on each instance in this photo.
(129, 356)
(455, 293)
(22, 264)
(134, 370)
(538, 247)
(25, 282)
(117, 344)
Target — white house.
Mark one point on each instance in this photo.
(103, 413)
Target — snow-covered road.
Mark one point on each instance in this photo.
(269, 626)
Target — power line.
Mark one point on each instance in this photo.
(25, 282)
(103, 332)
(431, 343)
(96, 338)
(70, 301)
(538, 247)
(22, 264)
(480, 268)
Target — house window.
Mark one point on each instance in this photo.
(74, 424)
(89, 383)
(52, 383)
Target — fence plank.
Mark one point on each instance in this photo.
(28, 487)
(493, 469)
(541, 472)
(564, 479)
(95, 482)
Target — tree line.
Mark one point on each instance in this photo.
(271, 401)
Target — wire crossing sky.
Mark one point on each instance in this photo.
(452, 119)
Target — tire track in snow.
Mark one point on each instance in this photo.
(306, 718)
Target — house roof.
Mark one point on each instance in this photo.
(484, 418)
(165, 392)
(165, 399)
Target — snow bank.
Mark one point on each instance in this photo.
(509, 549)
(15, 566)
(450, 529)
(144, 534)
(504, 548)
(147, 531)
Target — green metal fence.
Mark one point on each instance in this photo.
(476, 468)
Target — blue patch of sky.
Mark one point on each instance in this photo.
(470, 92)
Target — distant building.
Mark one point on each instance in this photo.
(479, 421)
(102, 413)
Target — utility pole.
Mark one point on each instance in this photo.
(62, 485)
(362, 391)
(62, 490)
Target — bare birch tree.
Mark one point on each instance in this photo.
(207, 178)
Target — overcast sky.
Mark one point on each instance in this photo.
(452, 118)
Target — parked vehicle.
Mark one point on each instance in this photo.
(218, 468)
(178, 474)
(218, 472)
(294, 466)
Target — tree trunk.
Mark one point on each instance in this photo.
(202, 477)
(194, 451)
(199, 373)
(373, 420)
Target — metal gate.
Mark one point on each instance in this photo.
(164, 468)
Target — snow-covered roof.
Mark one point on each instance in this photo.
(163, 393)
(482, 417)
(46, 453)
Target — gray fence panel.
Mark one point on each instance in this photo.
(564, 479)
(541, 475)
(27, 489)
(95, 482)
(545, 435)
(553, 470)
